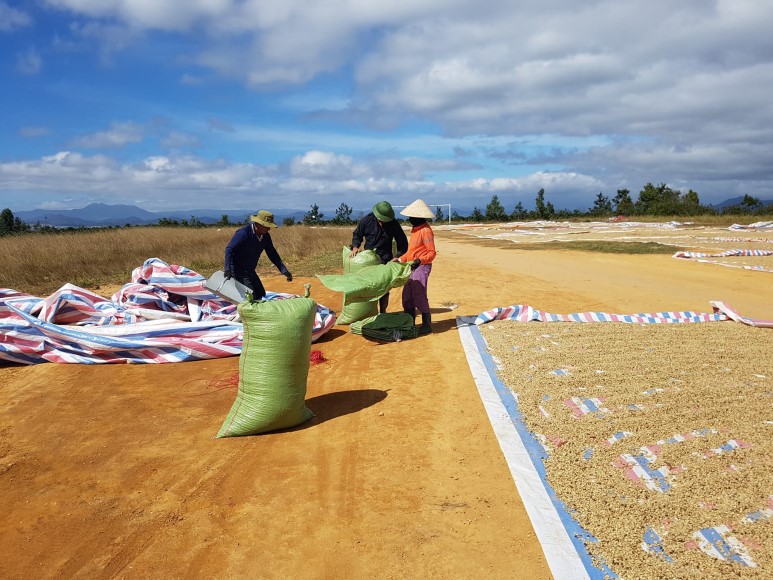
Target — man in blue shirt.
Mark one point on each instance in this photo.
(245, 248)
(378, 229)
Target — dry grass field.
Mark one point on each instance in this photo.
(41, 263)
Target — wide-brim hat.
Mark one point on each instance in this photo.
(383, 211)
(264, 218)
(418, 209)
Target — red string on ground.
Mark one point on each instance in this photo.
(224, 381)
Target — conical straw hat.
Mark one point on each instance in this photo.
(418, 209)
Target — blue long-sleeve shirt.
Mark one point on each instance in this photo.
(244, 250)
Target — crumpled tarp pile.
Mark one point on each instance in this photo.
(165, 314)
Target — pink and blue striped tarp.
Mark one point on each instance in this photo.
(525, 313)
(165, 314)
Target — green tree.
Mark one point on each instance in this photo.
(313, 217)
(659, 200)
(343, 215)
(750, 204)
(288, 221)
(439, 214)
(476, 215)
(9, 224)
(692, 203)
(623, 202)
(544, 211)
(6, 222)
(601, 205)
(223, 222)
(494, 211)
(519, 213)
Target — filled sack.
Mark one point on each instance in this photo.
(273, 367)
(364, 287)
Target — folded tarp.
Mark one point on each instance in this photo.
(164, 315)
(392, 326)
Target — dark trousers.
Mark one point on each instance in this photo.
(252, 281)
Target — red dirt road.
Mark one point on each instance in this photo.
(112, 471)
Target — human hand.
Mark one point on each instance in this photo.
(354, 252)
(289, 276)
(228, 274)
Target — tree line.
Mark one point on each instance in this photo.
(652, 200)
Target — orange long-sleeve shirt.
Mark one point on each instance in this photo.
(421, 245)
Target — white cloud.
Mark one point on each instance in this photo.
(110, 38)
(321, 177)
(190, 80)
(31, 132)
(179, 140)
(12, 19)
(607, 94)
(217, 124)
(29, 62)
(119, 135)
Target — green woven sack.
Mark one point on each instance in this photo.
(273, 367)
(362, 260)
(357, 310)
(367, 286)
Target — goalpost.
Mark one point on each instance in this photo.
(448, 205)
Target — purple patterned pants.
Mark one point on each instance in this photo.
(415, 290)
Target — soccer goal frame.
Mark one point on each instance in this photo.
(448, 205)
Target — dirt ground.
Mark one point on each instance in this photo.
(112, 471)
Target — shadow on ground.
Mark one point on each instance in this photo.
(333, 405)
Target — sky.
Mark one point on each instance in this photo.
(281, 104)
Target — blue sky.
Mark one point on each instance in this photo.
(280, 104)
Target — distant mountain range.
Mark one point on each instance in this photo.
(101, 215)
(738, 200)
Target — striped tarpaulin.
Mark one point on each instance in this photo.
(702, 257)
(725, 254)
(163, 315)
(525, 313)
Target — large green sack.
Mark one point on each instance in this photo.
(361, 260)
(273, 367)
(357, 310)
(367, 285)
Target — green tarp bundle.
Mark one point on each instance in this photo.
(362, 285)
(273, 367)
(393, 326)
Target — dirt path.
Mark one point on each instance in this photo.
(111, 471)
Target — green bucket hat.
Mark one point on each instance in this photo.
(383, 211)
(264, 218)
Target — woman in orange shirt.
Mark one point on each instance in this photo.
(421, 251)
